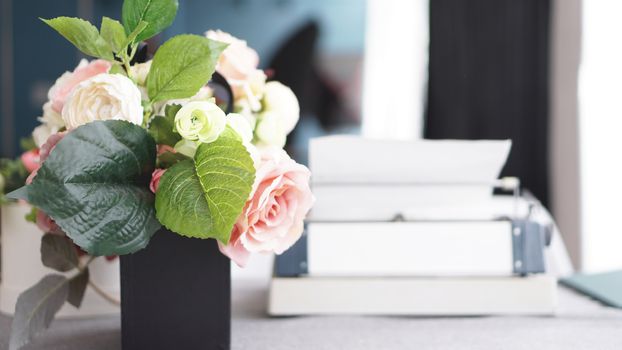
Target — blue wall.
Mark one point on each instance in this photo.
(40, 55)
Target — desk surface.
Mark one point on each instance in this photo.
(580, 324)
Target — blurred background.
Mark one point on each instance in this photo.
(545, 73)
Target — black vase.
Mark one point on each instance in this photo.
(176, 294)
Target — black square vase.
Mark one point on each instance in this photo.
(176, 294)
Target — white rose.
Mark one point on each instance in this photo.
(139, 72)
(270, 130)
(103, 97)
(200, 121)
(51, 117)
(280, 100)
(41, 133)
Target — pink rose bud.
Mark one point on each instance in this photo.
(273, 218)
(30, 160)
(44, 153)
(155, 179)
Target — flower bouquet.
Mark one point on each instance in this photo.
(145, 159)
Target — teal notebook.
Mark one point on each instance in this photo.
(605, 287)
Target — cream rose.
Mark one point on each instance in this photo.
(200, 121)
(272, 219)
(139, 72)
(59, 92)
(270, 130)
(281, 100)
(238, 60)
(103, 97)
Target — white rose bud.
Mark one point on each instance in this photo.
(139, 72)
(51, 117)
(281, 100)
(270, 130)
(201, 121)
(186, 147)
(103, 97)
(242, 127)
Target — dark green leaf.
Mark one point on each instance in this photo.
(83, 35)
(112, 31)
(182, 66)
(204, 198)
(158, 13)
(168, 159)
(58, 253)
(35, 309)
(77, 288)
(161, 129)
(95, 186)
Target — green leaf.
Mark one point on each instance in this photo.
(161, 129)
(58, 253)
(83, 35)
(203, 198)
(158, 13)
(112, 31)
(182, 66)
(131, 38)
(27, 144)
(94, 185)
(35, 309)
(77, 288)
(32, 215)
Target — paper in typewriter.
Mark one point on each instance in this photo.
(365, 179)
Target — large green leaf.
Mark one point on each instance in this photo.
(204, 197)
(181, 66)
(83, 35)
(94, 185)
(36, 307)
(158, 13)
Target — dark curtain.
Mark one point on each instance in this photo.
(488, 79)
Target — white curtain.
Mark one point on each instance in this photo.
(396, 65)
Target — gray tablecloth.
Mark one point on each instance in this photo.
(580, 324)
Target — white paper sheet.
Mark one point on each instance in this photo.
(352, 159)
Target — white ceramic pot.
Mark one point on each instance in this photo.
(22, 267)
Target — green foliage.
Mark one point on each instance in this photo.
(36, 308)
(112, 31)
(82, 35)
(162, 128)
(58, 253)
(158, 13)
(77, 287)
(204, 197)
(13, 175)
(27, 144)
(94, 185)
(182, 66)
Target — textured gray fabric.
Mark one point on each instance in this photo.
(580, 324)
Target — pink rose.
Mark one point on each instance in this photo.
(238, 60)
(30, 160)
(60, 90)
(45, 151)
(155, 179)
(272, 219)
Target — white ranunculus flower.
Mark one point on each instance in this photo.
(103, 97)
(200, 121)
(270, 130)
(280, 100)
(139, 72)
